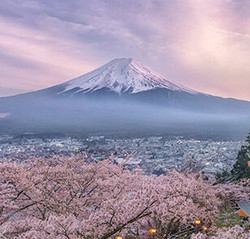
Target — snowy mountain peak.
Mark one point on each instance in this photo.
(122, 75)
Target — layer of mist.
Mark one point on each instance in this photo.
(120, 117)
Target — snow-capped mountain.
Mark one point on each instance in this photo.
(122, 75)
(127, 80)
(122, 96)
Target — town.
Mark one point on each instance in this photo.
(151, 154)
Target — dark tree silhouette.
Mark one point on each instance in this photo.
(241, 168)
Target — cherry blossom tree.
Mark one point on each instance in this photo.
(71, 198)
(237, 190)
(225, 233)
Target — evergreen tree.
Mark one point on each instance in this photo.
(241, 168)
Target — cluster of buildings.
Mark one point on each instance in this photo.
(23, 148)
(152, 154)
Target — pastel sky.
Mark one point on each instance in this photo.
(203, 44)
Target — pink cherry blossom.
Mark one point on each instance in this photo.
(70, 198)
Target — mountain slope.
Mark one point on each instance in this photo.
(122, 95)
(127, 80)
(122, 75)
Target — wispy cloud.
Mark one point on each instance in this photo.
(203, 44)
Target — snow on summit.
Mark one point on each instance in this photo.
(122, 75)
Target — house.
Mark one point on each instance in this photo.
(244, 209)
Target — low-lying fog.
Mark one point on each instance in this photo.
(121, 117)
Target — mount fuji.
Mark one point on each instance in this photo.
(119, 95)
(123, 75)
